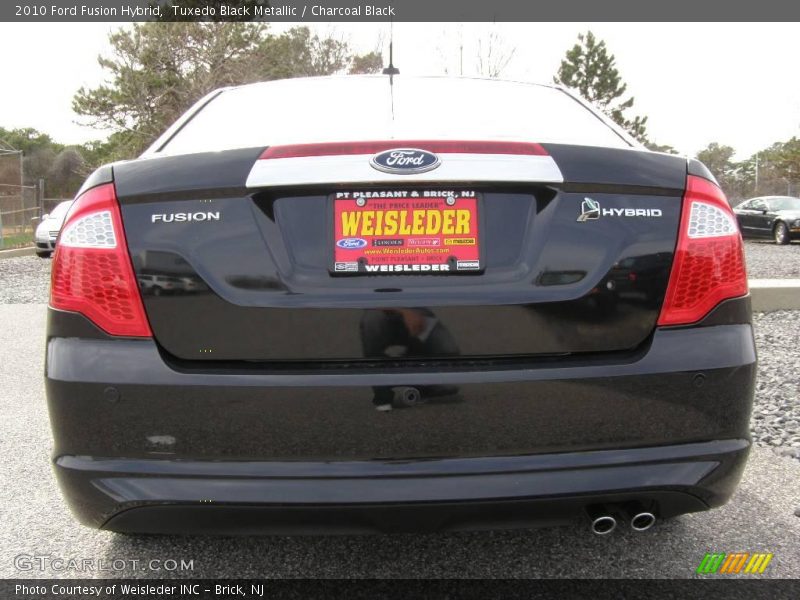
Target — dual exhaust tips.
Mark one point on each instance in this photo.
(604, 519)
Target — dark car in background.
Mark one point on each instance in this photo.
(409, 304)
(770, 217)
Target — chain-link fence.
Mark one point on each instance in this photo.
(19, 214)
(20, 205)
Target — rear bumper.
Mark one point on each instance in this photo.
(157, 496)
(142, 444)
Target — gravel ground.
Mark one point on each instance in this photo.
(24, 280)
(35, 521)
(776, 413)
(767, 260)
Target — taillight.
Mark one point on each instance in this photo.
(709, 258)
(92, 272)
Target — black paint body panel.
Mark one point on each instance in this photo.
(695, 167)
(255, 284)
(100, 176)
(612, 166)
(671, 418)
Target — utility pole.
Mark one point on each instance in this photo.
(755, 192)
(40, 196)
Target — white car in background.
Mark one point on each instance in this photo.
(47, 231)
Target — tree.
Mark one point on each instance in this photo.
(62, 167)
(787, 161)
(735, 178)
(666, 148)
(719, 160)
(158, 70)
(372, 62)
(773, 170)
(115, 147)
(493, 55)
(28, 140)
(66, 173)
(38, 151)
(590, 69)
(298, 53)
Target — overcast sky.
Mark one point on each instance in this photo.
(736, 84)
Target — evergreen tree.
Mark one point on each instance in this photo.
(719, 160)
(590, 69)
(158, 70)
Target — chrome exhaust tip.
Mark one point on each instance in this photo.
(643, 521)
(601, 519)
(604, 525)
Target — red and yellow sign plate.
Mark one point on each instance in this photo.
(411, 232)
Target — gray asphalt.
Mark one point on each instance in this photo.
(36, 522)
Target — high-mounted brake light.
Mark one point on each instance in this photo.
(709, 258)
(437, 146)
(92, 272)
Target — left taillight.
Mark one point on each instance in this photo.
(709, 257)
(92, 272)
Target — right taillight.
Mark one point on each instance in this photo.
(92, 271)
(709, 258)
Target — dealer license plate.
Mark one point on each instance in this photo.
(406, 232)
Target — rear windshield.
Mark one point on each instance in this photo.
(367, 108)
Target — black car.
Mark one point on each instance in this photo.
(409, 304)
(775, 217)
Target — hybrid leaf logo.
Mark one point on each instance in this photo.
(720, 563)
(590, 209)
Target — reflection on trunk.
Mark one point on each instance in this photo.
(406, 333)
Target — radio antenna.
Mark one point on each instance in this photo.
(391, 70)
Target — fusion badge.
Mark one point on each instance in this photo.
(183, 217)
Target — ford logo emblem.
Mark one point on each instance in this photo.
(405, 161)
(351, 243)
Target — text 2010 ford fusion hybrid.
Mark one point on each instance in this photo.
(359, 304)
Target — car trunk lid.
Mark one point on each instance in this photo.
(571, 253)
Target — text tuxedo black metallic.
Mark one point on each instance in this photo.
(583, 345)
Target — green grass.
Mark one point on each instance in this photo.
(16, 240)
